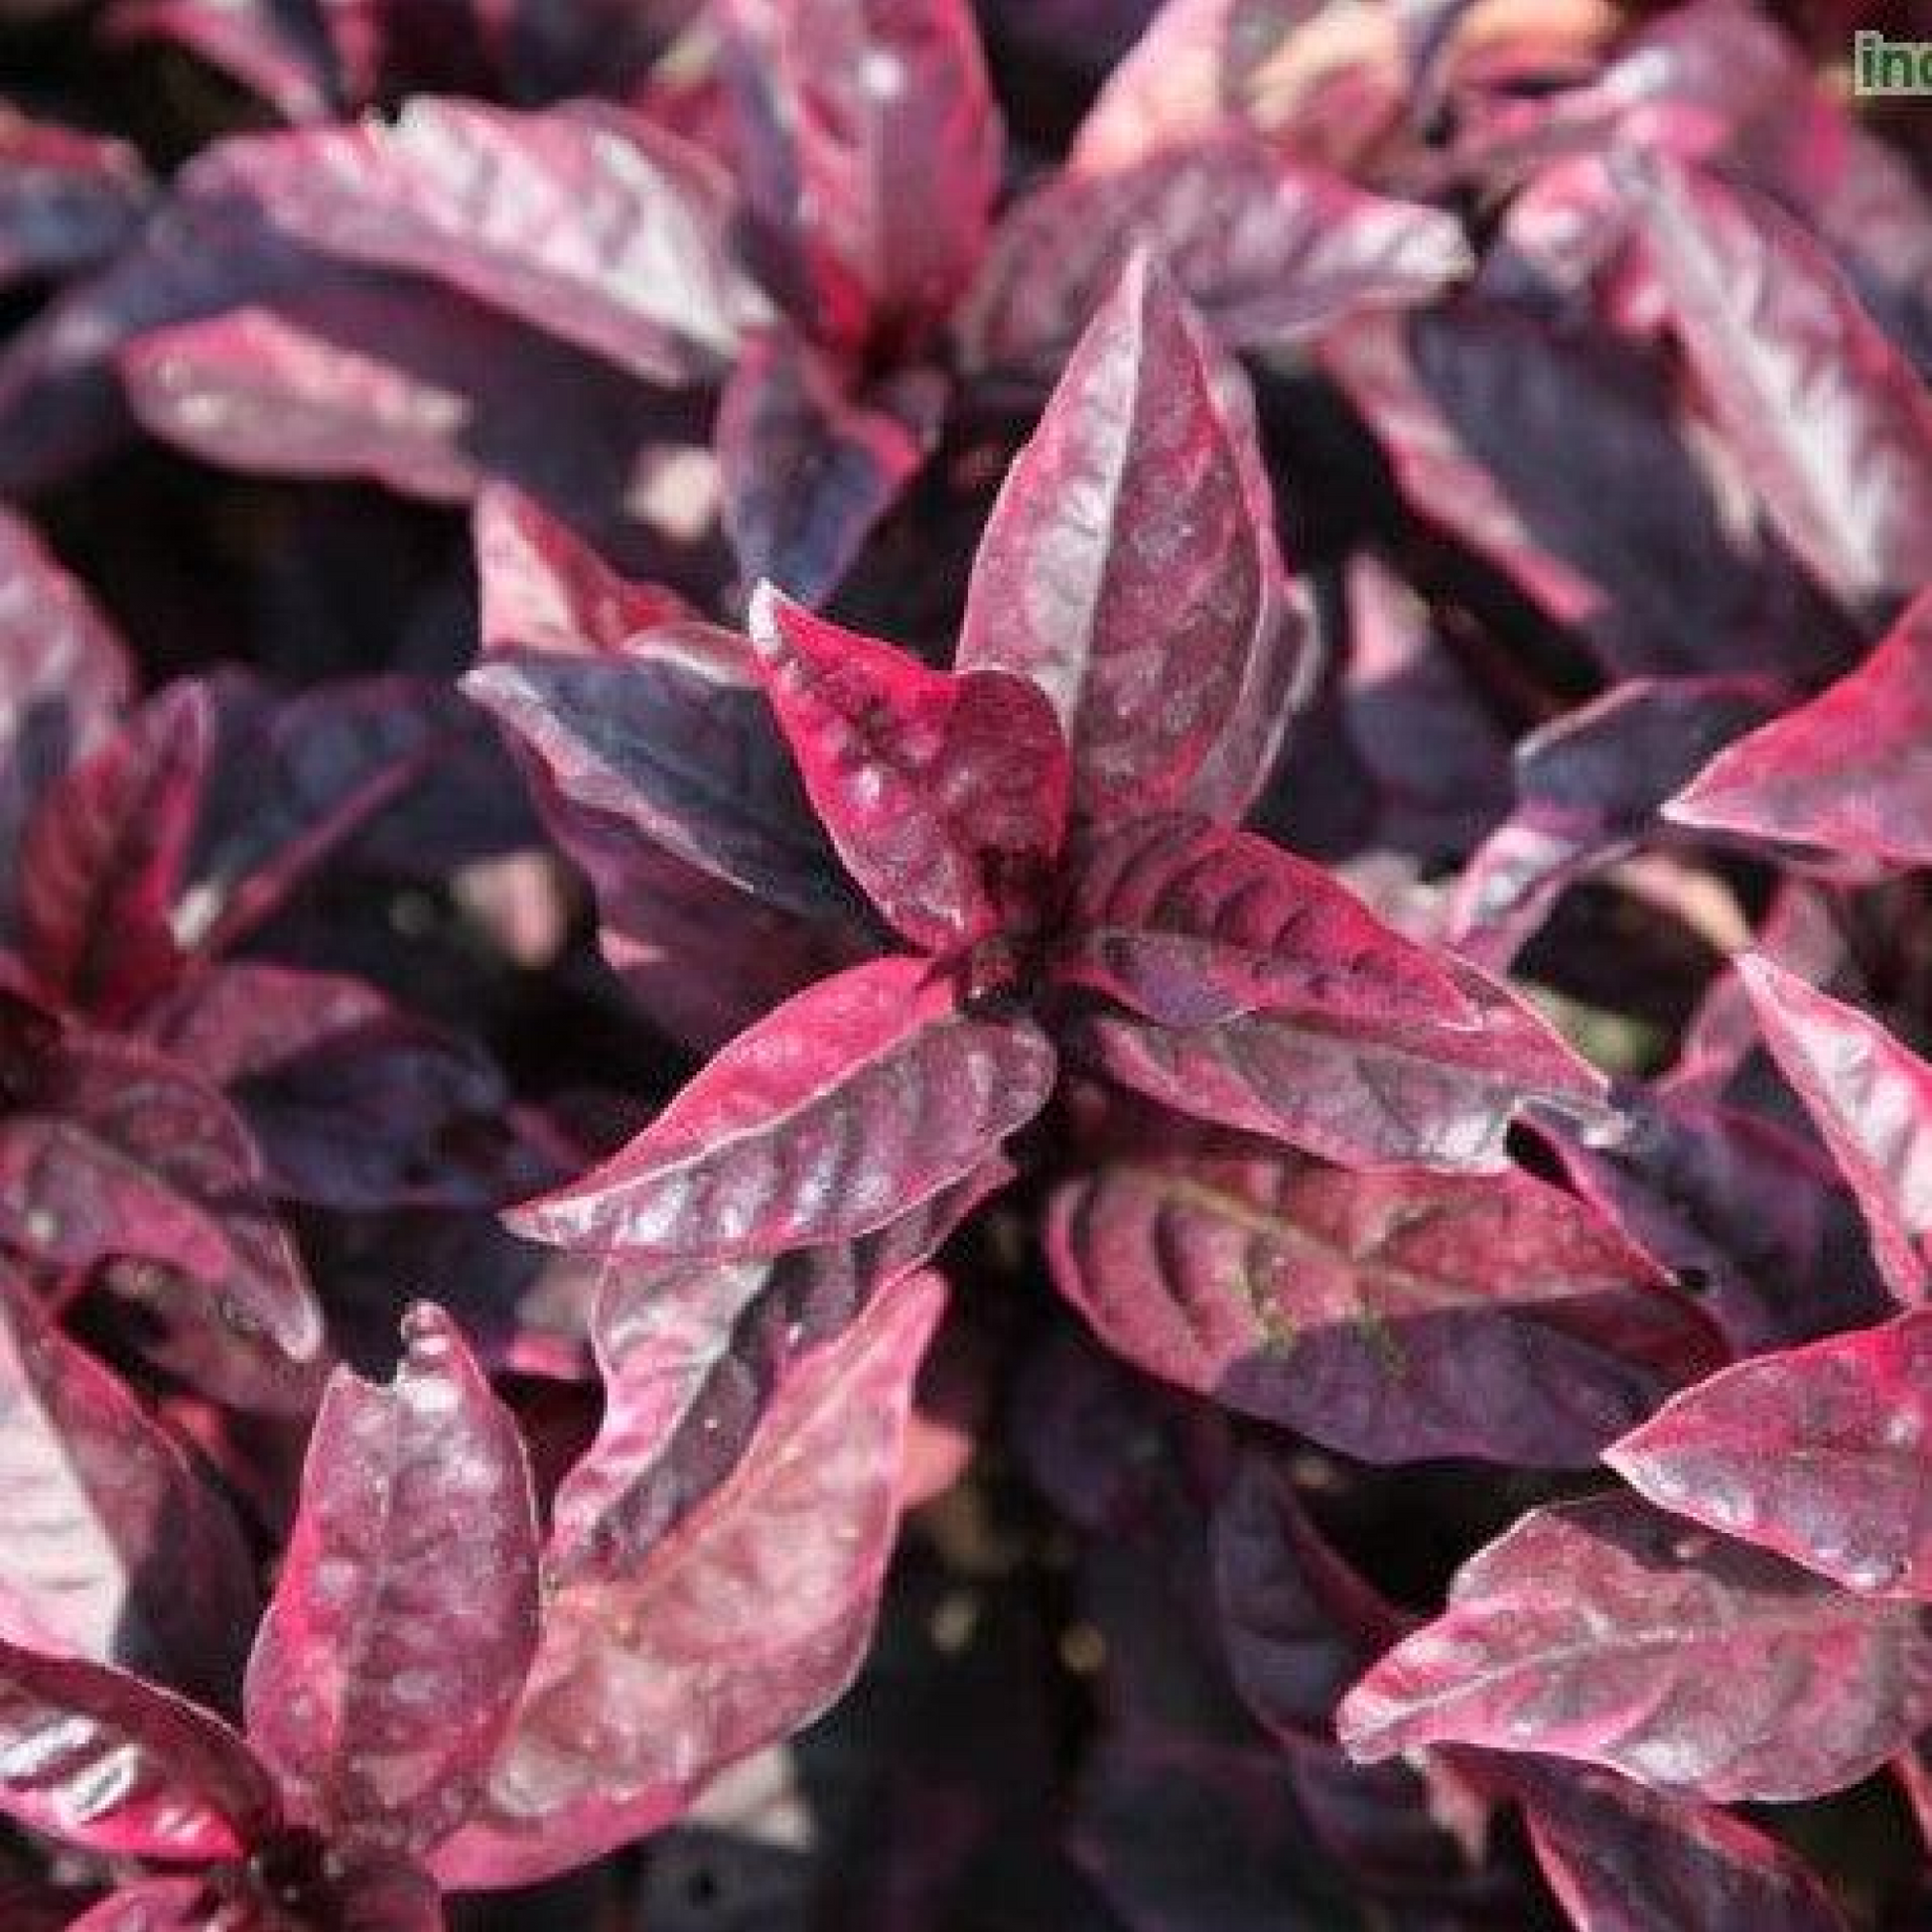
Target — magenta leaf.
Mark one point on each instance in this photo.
(1394, 1317)
(1786, 780)
(95, 1756)
(807, 467)
(1819, 1453)
(946, 796)
(150, 1905)
(1130, 569)
(1608, 1631)
(1189, 925)
(874, 149)
(132, 1558)
(849, 1106)
(1834, 425)
(1420, 1093)
(595, 227)
(1268, 250)
(1622, 1859)
(1871, 1101)
(405, 1615)
(744, 1622)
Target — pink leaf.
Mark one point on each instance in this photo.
(845, 1108)
(745, 1623)
(1786, 780)
(150, 1905)
(945, 794)
(1129, 568)
(405, 1615)
(1871, 1101)
(1607, 1631)
(1393, 1318)
(1821, 1453)
(1270, 251)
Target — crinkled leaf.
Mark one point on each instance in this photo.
(1821, 1453)
(807, 467)
(1608, 1631)
(405, 1615)
(847, 1107)
(1189, 925)
(1787, 781)
(596, 228)
(1871, 1101)
(946, 794)
(1270, 251)
(744, 1623)
(95, 1756)
(1129, 567)
(1834, 425)
(1394, 1317)
(122, 1551)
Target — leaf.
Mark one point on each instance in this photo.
(149, 1905)
(66, 198)
(1129, 568)
(1786, 780)
(946, 794)
(1832, 425)
(1270, 252)
(1607, 1631)
(808, 468)
(1819, 1453)
(871, 147)
(93, 1756)
(594, 226)
(274, 50)
(745, 1623)
(1393, 1318)
(1620, 1859)
(121, 1549)
(1418, 1094)
(1871, 1101)
(849, 1106)
(1189, 925)
(405, 1616)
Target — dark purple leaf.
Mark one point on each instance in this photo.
(1608, 1631)
(405, 1616)
(847, 1107)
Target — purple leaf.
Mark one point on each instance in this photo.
(1820, 1454)
(405, 1616)
(66, 198)
(1871, 1101)
(946, 796)
(1834, 426)
(1786, 780)
(596, 228)
(1129, 568)
(1393, 1318)
(132, 1558)
(1607, 1631)
(746, 1623)
(1270, 251)
(847, 1107)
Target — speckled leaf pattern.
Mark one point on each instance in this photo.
(1269, 250)
(1187, 924)
(1608, 1631)
(1871, 1101)
(946, 794)
(96, 1757)
(1834, 424)
(119, 1549)
(1785, 782)
(405, 1615)
(1394, 1317)
(845, 1108)
(740, 1627)
(1822, 1453)
(1128, 568)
